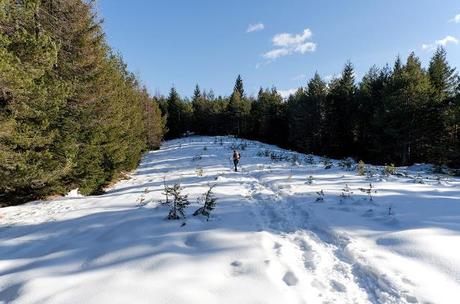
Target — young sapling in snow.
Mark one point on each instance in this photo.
(141, 201)
(327, 163)
(178, 202)
(390, 210)
(347, 164)
(389, 170)
(346, 193)
(310, 180)
(361, 168)
(309, 159)
(290, 176)
(320, 197)
(369, 191)
(209, 203)
(418, 179)
(294, 160)
(199, 171)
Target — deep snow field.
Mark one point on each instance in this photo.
(269, 239)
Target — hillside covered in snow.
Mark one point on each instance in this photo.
(287, 228)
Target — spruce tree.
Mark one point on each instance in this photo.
(340, 112)
(175, 116)
(239, 87)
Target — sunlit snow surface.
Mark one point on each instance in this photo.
(268, 241)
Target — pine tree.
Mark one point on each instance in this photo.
(209, 203)
(340, 109)
(32, 101)
(175, 120)
(444, 82)
(73, 114)
(443, 78)
(178, 204)
(239, 87)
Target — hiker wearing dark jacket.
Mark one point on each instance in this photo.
(236, 159)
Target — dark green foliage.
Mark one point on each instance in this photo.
(305, 116)
(339, 114)
(71, 115)
(239, 87)
(398, 115)
(209, 203)
(178, 203)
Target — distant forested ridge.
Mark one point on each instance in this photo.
(399, 115)
(71, 115)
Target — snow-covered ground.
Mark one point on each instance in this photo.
(269, 240)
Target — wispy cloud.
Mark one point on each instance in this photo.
(255, 27)
(287, 93)
(286, 44)
(273, 54)
(442, 42)
(456, 19)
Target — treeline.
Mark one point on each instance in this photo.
(396, 115)
(71, 115)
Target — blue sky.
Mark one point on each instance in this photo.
(184, 42)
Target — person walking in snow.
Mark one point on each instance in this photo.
(236, 159)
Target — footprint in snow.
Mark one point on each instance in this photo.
(236, 264)
(337, 286)
(290, 279)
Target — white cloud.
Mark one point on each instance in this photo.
(442, 42)
(306, 47)
(276, 53)
(447, 40)
(286, 39)
(287, 93)
(255, 27)
(287, 44)
(456, 19)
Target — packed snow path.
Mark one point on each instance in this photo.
(273, 238)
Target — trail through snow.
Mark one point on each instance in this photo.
(270, 239)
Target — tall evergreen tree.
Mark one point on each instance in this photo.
(340, 109)
(175, 119)
(239, 87)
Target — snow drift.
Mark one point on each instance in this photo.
(285, 230)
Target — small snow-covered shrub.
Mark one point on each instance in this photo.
(418, 179)
(347, 164)
(199, 171)
(327, 163)
(346, 193)
(241, 146)
(320, 197)
(197, 158)
(309, 160)
(263, 153)
(178, 203)
(205, 148)
(294, 160)
(209, 203)
(369, 172)
(361, 168)
(310, 180)
(369, 191)
(389, 170)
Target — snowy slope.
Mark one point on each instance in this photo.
(269, 240)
